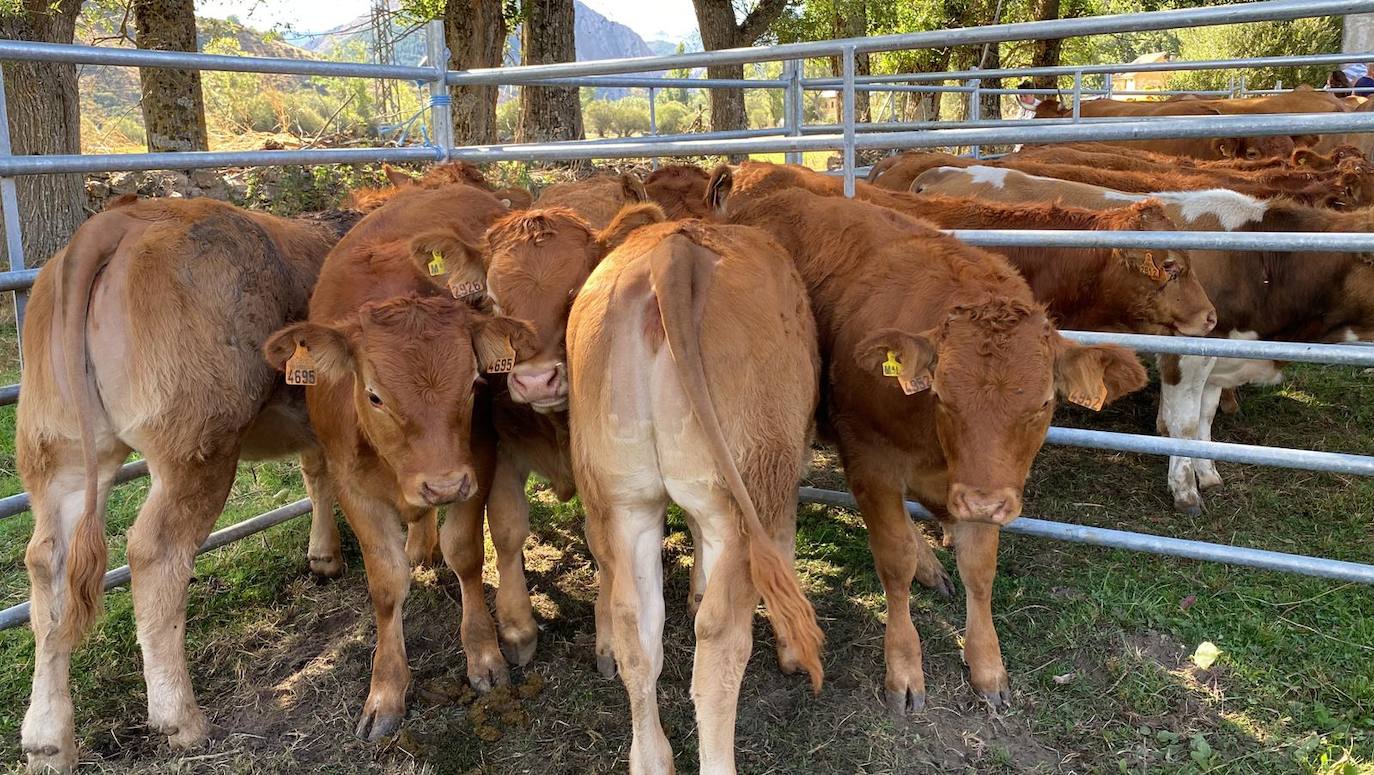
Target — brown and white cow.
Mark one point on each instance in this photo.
(1142, 291)
(143, 334)
(397, 409)
(529, 266)
(596, 199)
(942, 377)
(1269, 295)
(694, 379)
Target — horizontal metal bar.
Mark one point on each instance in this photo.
(1298, 241)
(19, 503)
(9, 394)
(112, 162)
(1262, 559)
(1272, 10)
(1353, 354)
(1306, 459)
(32, 51)
(630, 82)
(19, 614)
(17, 281)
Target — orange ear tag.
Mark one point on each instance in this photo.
(503, 362)
(892, 367)
(437, 264)
(1152, 270)
(1093, 402)
(911, 386)
(300, 367)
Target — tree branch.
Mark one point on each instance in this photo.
(757, 22)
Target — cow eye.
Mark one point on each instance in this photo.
(374, 399)
(1047, 403)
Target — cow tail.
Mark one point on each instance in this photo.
(681, 272)
(91, 248)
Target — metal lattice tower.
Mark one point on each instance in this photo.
(383, 52)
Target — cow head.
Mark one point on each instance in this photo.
(993, 369)
(531, 267)
(1253, 147)
(1352, 186)
(1050, 108)
(1159, 287)
(679, 189)
(411, 364)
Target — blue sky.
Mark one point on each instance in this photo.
(673, 19)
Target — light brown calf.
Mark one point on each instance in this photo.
(596, 199)
(694, 370)
(402, 425)
(143, 334)
(679, 189)
(943, 373)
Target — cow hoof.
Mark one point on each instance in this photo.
(787, 659)
(374, 726)
(996, 699)
(484, 678)
(937, 580)
(519, 649)
(1208, 481)
(188, 733)
(605, 665)
(51, 758)
(905, 701)
(326, 567)
(1190, 504)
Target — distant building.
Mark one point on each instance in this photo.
(1150, 81)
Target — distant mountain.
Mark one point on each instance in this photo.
(596, 38)
(664, 47)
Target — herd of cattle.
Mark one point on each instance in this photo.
(634, 342)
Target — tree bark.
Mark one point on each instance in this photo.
(44, 119)
(990, 105)
(476, 35)
(548, 112)
(716, 21)
(173, 107)
(1045, 53)
(851, 21)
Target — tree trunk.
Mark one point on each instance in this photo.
(476, 35)
(548, 112)
(1045, 53)
(851, 21)
(44, 120)
(990, 105)
(716, 21)
(173, 109)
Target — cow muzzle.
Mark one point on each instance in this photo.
(1200, 325)
(437, 489)
(998, 505)
(544, 386)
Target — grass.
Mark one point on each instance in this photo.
(1098, 642)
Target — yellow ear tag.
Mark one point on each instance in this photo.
(914, 386)
(503, 362)
(892, 367)
(1091, 401)
(300, 367)
(437, 264)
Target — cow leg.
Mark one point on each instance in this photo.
(378, 528)
(724, 629)
(422, 540)
(1206, 468)
(697, 583)
(637, 612)
(325, 554)
(186, 499)
(1180, 410)
(461, 539)
(57, 485)
(508, 518)
(975, 548)
(897, 550)
(785, 535)
(602, 552)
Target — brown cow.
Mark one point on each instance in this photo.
(679, 189)
(1198, 148)
(977, 365)
(1108, 156)
(1103, 289)
(895, 173)
(402, 427)
(530, 266)
(694, 370)
(596, 199)
(142, 334)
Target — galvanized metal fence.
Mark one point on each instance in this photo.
(793, 137)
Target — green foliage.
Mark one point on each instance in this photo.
(673, 117)
(1321, 35)
(294, 190)
(624, 117)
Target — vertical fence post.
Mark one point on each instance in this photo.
(440, 102)
(1278, 85)
(1242, 84)
(9, 202)
(975, 110)
(653, 122)
(1107, 85)
(848, 119)
(1077, 93)
(792, 105)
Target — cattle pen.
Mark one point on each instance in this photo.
(793, 138)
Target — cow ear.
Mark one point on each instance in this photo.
(718, 188)
(324, 349)
(398, 178)
(629, 218)
(633, 188)
(501, 342)
(907, 358)
(450, 261)
(1306, 157)
(1226, 147)
(1098, 375)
